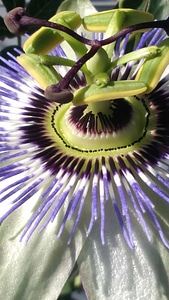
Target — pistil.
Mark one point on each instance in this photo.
(18, 22)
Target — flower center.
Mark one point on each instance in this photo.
(115, 125)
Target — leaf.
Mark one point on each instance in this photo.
(10, 4)
(160, 9)
(137, 4)
(4, 32)
(42, 9)
(82, 7)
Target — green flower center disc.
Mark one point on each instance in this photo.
(118, 126)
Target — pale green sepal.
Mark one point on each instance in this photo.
(38, 270)
(113, 271)
(113, 90)
(99, 22)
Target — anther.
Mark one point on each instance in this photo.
(12, 21)
(164, 24)
(52, 93)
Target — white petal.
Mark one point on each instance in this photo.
(113, 271)
(39, 269)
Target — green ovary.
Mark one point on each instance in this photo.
(66, 132)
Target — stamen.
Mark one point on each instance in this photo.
(18, 22)
(52, 91)
(164, 24)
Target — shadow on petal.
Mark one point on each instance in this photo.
(114, 271)
(39, 269)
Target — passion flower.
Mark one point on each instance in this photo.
(91, 132)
